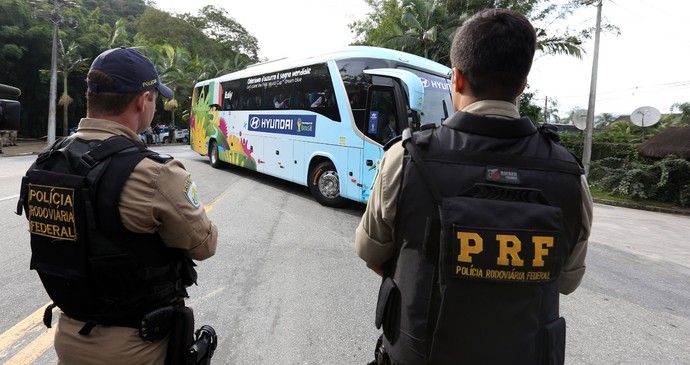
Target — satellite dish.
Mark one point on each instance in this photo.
(580, 119)
(645, 116)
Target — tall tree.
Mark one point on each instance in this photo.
(684, 109)
(219, 26)
(382, 22)
(433, 21)
(56, 19)
(429, 28)
(69, 60)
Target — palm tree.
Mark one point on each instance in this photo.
(69, 60)
(558, 45)
(429, 29)
(603, 120)
(170, 62)
(119, 34)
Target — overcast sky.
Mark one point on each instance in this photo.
(647, 65)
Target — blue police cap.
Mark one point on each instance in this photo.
(130, 70)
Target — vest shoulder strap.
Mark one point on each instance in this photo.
(421, 165)
(110, 147)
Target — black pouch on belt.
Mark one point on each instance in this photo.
(181, 336)
(388, 309)
(553, 343)
(156, 324)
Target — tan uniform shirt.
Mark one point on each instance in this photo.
(374, 235)
(156, 198)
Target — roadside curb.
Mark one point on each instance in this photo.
(632, 205)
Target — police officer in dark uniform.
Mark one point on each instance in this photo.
(114, 226)
(477, 225)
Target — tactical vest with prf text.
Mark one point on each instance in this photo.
(485, 220)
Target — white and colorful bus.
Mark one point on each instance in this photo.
(320, 121)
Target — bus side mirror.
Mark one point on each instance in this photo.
(9, 114)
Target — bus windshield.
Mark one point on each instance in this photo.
(437, 103)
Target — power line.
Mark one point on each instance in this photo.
(679, 38)
(657, 87)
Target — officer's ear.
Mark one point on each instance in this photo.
(522, 88)
(142, 100)
(457, 80)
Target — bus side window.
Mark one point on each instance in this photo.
(382, 124)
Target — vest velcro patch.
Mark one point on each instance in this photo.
(504, 255)
(51, 212)
(502, 175)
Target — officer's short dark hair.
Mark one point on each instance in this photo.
(106, 103)
(494, 50)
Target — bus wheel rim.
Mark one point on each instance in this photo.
(329, 185)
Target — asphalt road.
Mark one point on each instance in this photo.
(285, 286)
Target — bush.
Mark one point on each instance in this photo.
(664, 180)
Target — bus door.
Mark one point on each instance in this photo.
(394, 94)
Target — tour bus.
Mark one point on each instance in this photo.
(320, 121)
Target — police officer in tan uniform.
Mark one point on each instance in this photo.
(158, 202)
(450, 300)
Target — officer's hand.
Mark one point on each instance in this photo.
(378, 269)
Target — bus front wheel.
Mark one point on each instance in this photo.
(213, 154)
(325, 184)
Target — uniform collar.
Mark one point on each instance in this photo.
(493, 108)
(491, 118)
(91, 126)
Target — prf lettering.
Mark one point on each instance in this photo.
(509, 248)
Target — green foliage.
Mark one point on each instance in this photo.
(574, 142)
(204, 46)
(425, 27)
(383, 21)
(224, 31)
(428, 29)
(528, 109)
(665, 180)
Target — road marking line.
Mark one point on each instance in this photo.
(20, 329)
(33, 350)
(9, 197)
(209, 207)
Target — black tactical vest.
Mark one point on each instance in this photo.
(482, 229)
(92, 267)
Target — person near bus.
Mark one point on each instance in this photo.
(389, 131)
(119, 245)
(281, 101)
(325, 99)
(443, 217)
(157, 134)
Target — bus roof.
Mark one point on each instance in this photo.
(344, 53)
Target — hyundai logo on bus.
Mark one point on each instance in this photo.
(299, 125)
(436, 84)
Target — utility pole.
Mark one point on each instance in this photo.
(56, 19)
(546, 113)
(587, 152)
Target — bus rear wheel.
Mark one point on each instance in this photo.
(325, 184)
(213, 154)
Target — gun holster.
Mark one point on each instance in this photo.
(204, 345)
(380, 355)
